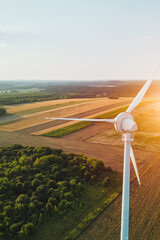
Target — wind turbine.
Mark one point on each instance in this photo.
(124, 124)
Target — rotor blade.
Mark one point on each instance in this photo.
(134, 165)
(142, 92)
(81, 119)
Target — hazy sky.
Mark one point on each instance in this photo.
(79, 39)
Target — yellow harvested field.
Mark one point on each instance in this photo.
(31, 120)
(28, 106)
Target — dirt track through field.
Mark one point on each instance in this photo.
(144, 211)
(112, 156)
(59, 122)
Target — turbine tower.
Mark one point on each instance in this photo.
(124, 124)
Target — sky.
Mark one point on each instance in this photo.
(79, 39)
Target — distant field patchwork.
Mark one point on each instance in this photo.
(78, 107)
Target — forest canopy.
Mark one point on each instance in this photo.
(37, 183)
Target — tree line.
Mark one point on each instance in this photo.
(79, 90)
(18, 98)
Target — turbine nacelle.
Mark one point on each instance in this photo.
(124, 123)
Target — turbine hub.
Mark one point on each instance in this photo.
(124, 123)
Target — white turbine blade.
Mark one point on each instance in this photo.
(80, 119)
(142, 92)
(134, 165)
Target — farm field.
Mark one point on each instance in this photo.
(83, 109)
(28, 108)
(21, 111)
(58, 124)
(147, 136)
(144, 211)
(99, 140)
(68, 128)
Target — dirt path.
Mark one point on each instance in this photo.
(144, 211)
(112, 156)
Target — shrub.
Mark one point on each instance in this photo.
(44, 150)
(35, 183)
(52, 201)
(9, 210)
(2, 111)
(41, 162)
(55, 168)
(39, 176)
(22, 199)
(52, 184)
(106, 181)
(93, 178)
(19, 187)
(32, 206)
(49, 208)
(26, 186)
(87, 176)
(14, 228)
(57, 176)
(26, 230)
(69, 196)
(24, 160)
